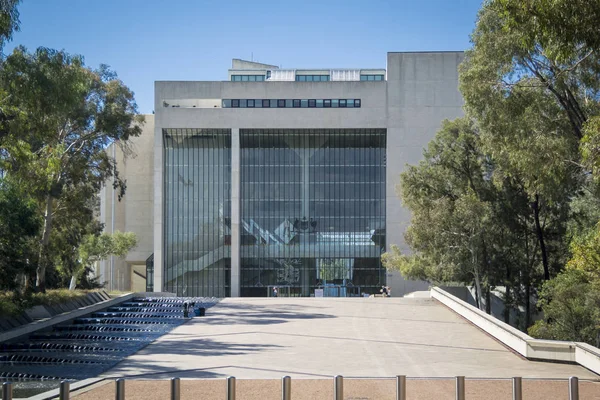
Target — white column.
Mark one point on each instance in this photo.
(235, 213)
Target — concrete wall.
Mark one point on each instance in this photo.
(372, 113)
(535, 349)
(135, 213)
(422, 91)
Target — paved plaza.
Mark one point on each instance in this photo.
(266, 338)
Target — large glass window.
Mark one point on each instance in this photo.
(197, 211)
(312, 210)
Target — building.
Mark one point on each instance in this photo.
(278, 177)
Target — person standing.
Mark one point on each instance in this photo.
(275, 291)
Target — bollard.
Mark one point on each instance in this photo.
(573, 388)
(120, 389)
(286, 388)
(338, 387)
(517, 388)
(175, 389)
(7, 390)
(460, 388)
(400, 387)
(65, 388)
(231, 388)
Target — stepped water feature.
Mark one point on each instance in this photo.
(90, 345)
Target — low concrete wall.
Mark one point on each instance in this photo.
(57, 319)
(513, 338)
(588, 356)
(537, 349)
(154, 294)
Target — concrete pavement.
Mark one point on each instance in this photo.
(266, 338)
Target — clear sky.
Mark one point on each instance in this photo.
(149, 40)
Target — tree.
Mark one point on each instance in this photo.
(571, 306)
(95, 248)
(9, 20)
(19, 224)
(585, 252)
(67, 115)
(451, 229)
(532, 95)
(9, 23)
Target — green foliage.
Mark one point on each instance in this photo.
(571, 305)
(449, 195)
(98, 247)
(9, 304)
(9, 20)
(19, 224)
(586, 255)
(527, 47)
(64, 116)
(13, 304)
(53, 297)
(571, 301)
(415, 266)
(590, 147)
(561, 27)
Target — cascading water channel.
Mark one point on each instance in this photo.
(90, 345)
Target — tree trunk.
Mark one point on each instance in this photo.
(40, 282)
(488, 300)
(478, 292)
(73, 283)
(540, 234)
(507, 299)
(527, 306)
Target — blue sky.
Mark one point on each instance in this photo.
(149, 40)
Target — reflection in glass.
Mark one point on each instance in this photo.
(312, 209)
(197, 211)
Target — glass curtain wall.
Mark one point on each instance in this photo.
(197, 211)
(312, 211)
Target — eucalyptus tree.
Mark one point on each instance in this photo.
(66, 115)
(532, 81)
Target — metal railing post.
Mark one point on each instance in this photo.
(231, 388)
(286, 388)
(120, 389)
(400, 387)
(573, 388)
(7, 390)
(460, 388)
(517, 383)
(64, 392)
(175, 389)
(338, 387)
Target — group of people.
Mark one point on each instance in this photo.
(385, 291)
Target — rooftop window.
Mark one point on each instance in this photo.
(377, 77)
(247, 78)
(312, 78)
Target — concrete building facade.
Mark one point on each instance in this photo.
(279, 178)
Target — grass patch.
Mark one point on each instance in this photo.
(56, 296)
(10, 305)
(13, 304)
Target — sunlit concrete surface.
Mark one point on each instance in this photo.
(320, 337)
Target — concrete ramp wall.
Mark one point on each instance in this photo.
(534, 349)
